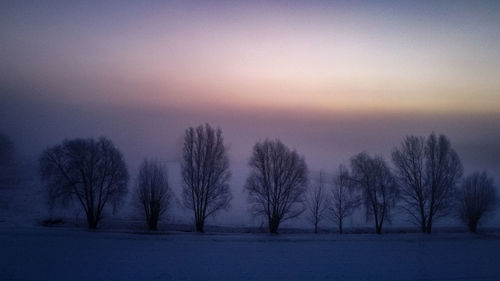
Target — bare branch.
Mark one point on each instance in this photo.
(276, 184)
(476, 199)
(153, 192)
(91, 171)
(344, 197)
(372, 176)
(317, 202)
(205, 172)
(427, 171)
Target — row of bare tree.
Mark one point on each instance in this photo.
(423, 181)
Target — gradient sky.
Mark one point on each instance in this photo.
(329, 78)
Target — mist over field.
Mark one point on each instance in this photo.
(326, 140)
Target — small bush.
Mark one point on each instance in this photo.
(53, 222)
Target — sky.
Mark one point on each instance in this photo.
(329, 78)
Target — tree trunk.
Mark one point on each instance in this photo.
(340, 227)
(153, 224)
(316, 228)
(378, 228)
(429, 226)
(273, 225)
(472, 225)
(200, 225)
(153, 220)
(91, 221)
(422, 216)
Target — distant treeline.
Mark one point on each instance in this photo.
(425, 180)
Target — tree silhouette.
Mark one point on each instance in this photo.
(476, 198)
(427, 171)
(91, 171)
(372, 176)
(6, 150)
(8, 173)
(344, 198)
(277, 182)
(317, 202)
(205, 172)
(153, 192)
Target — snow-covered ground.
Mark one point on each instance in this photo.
(38, 253)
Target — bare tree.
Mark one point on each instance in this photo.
(443, 170)
(205, 172)
(153, 191)
(427, 171)
(8, 170)
(344, 198)
(317, 202)
(6, 150)
(277, 182)
(476, 198)
(372, 176)
(7, 161)
(90, 171)
(409, 162)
